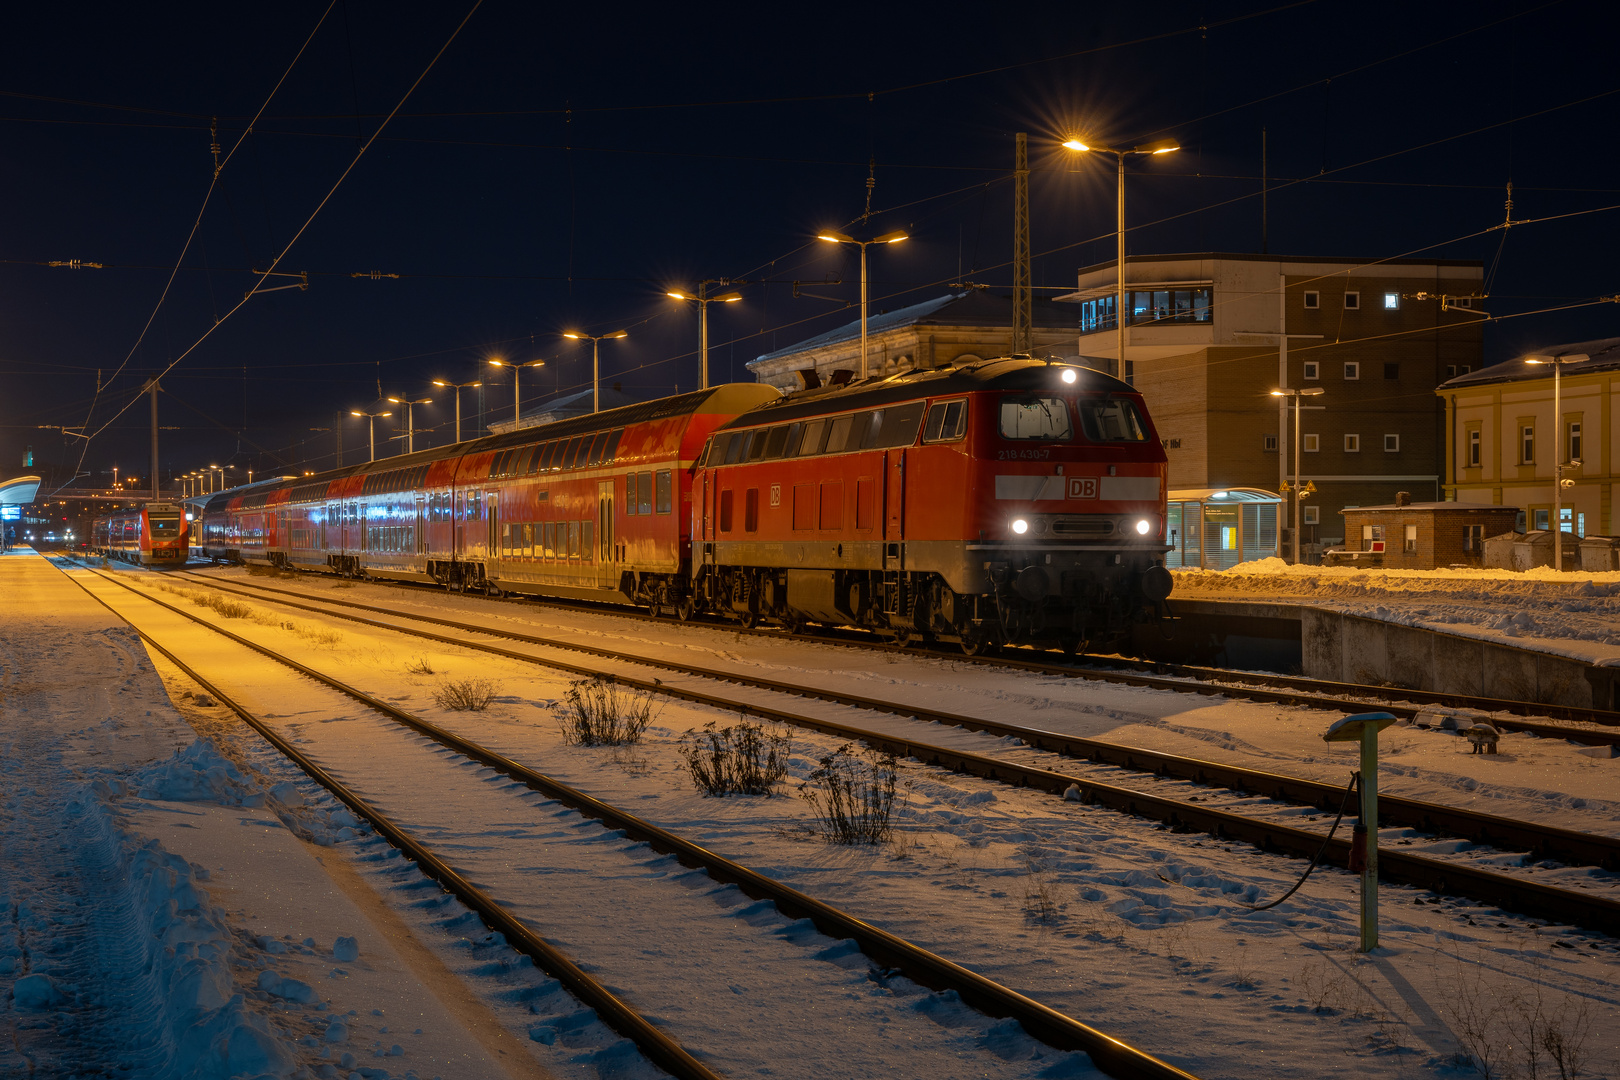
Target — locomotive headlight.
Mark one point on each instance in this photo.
(1020, 526)
(1068, 375)
(1143, 526)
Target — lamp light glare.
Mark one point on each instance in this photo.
(1142, 527)
(1020, 526)
(1069, 375)
(1076, 144)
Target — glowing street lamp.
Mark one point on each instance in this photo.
(517, 393)
(703, 301)
(596, 360)
(1163, 146)
(457, 387)
(839, 238)
(372, 416)
(410, 420)
(1560, 466)
(1298, 493)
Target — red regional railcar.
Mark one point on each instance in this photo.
(1006, 501)
(594, 507)
(150, 535)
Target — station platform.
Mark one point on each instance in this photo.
(39, 600)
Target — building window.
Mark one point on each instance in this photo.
(1313, 515)
(1473, 448)
(1541, 520)
(1392, 301)
(1575, 441)
(1352, 444)
(1352, 301)
(1313, 300)
(1451, 371)
(1271, 444)
(1392, 444)
(1352, 371)
(1149, 306)
(1392, 371)
(1313, 369)
(1411, 539)
(1527, 444)
(1371, 534)
(1313, 443)
(1473, 538)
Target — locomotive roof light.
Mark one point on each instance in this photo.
(1020, 526)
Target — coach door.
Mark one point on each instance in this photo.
(607, 548)
(421, 525)
(894, 508)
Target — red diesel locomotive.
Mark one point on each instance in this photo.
(1004, 501)
(152, 535)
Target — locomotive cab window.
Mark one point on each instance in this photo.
(900, 424)
(814, 432)
(947, 422)
(1111, 419)
(1036, 416)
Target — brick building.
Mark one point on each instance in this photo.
(1423, 535)
(1202, 346)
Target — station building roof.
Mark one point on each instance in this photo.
(1602, 354)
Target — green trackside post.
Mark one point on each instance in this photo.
(1364, 728)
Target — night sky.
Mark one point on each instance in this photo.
(564, 167)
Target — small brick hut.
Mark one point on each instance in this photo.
(1422, 536)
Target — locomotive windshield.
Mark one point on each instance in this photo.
(1111, 419)
(1036, 416)
(164, 524)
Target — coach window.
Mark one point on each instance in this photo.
(815, 432)
(506, 541)
(528, 540)
(598, 452)
(725, 511)
(587, 540)
(612, 450)
(644, 493)
(1035, 416)
(664, 490)
(549, 539)
(947, 422)
(1111, 419)
(751, 510)
(775, 441)
(573, 539)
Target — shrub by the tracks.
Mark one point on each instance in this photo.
(852, 793)
(599, 712)
(464, 695)
(748, 759)
(421, 665)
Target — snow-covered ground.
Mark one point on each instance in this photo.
(1136, 930)
(1572, 613)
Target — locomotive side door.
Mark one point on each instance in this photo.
(894, 507)
(607, 550)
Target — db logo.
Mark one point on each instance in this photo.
(776, 494)
(1082, 487)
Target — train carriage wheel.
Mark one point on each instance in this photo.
(979, 643)
(686, 608)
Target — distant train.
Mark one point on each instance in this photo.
(1004, 501)
(152, 535)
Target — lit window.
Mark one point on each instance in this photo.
(1313, 300)
(1392, 444)
(1313, 443)
(1313, 370)
(1352, 301)
(1352, 444)
(1352, 371)
(1392, 301)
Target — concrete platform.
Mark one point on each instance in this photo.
(1321, 643)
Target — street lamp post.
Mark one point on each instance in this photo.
(1163, 146)
(1299, 496)
(457, 387)
(839, 238)
(410, 419)
(703, 301)
(517, 393)
(596, 360)
(372, 416)
(1560, 466)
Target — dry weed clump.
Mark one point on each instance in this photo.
(599, 712)
(420, 665)
(464, 695)
(748, 759)
(853, 793)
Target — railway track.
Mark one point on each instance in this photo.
(889, 952)
(1542, 842)
(1511, 891)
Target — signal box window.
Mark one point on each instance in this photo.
(663, 491)
(1036, 416)
(947, 422)
(1107, 419)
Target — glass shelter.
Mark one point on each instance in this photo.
(1214, 528)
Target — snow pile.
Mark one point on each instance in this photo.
(195, 774)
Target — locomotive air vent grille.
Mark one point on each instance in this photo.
(1082, 525)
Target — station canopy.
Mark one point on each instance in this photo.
(21, 490)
